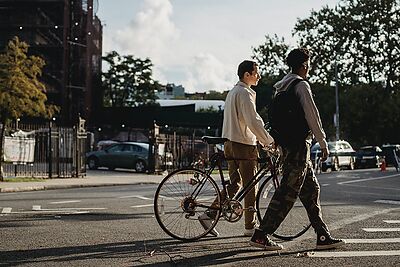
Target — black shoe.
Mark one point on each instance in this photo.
(325, 241)
(261, 240)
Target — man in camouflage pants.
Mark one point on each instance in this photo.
(298, 177)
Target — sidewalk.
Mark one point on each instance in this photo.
(92, 179)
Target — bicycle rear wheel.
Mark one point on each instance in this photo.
(296, 222)
(181, 198)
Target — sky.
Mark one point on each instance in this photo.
(198, 43)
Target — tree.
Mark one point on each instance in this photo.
(215, 95)
(362, 36)
(271, 57)
(21, 92)
(128, 81)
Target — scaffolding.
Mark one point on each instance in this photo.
(67, 34)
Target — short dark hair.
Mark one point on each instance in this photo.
(297, 57)
(246, 66)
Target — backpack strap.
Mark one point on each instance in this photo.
(294, 83)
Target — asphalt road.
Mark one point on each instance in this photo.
(115, 226)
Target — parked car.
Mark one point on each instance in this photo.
(129, 155)
(388, 151)
(103, 144)
(341, 154)
(368, 157)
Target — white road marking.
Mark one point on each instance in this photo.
(324, 184)
(381, 229)
(39, 208)
(69, 209)
(6, 210)
(369, 179)
(142, 206)
(391, 221)
(341, 254)
(383, 201)
(373, 240)
(136, 196)
(66, 202)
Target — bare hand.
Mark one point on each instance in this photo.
(325, 154)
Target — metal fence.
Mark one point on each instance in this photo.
(59, 152)
(186, 150)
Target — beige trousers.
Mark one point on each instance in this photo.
(242, 166)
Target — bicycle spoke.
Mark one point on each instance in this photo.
(296, 222)
(181, 198)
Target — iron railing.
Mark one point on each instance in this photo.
(59, 152)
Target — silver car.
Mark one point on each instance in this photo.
(341, 154)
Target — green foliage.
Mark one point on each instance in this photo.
(214, 95)
(209, 109)
(21, 92)
(128, 81)
(271, 57)
(370, 114)
(362, 36)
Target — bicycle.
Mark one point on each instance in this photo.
(186, 193)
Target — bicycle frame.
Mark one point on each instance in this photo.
(216, 162)
(205, 195)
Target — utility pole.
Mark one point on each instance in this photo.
(336, 117)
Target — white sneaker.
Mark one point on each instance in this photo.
(250, 232)
(206, 222)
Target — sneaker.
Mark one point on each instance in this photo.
(325, 241)
(261, 240)
(206, 222)
(250, 232)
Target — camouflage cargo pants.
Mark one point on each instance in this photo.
(298, 180)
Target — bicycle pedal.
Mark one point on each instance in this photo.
(251, 208)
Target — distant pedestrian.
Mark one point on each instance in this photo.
(243, 127)
(298, 178)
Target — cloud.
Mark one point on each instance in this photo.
(208, 73)
(151, 33)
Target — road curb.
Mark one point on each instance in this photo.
(53, 187)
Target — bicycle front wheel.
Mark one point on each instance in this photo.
(181, 198)
(296, 222)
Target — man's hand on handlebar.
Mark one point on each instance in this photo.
(271, 148)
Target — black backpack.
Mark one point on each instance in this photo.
(287, 123)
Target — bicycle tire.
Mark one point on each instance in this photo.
(177, 211)
(296, 222)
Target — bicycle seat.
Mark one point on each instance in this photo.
(213, 140)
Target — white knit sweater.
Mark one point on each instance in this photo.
(242, 123)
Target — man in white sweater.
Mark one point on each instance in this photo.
(243, 127)
(298, 179)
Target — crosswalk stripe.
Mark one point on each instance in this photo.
(373, 240)
(384, 201)
(6, 210)
(341, 254)
(391, 221)
(381, 229)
